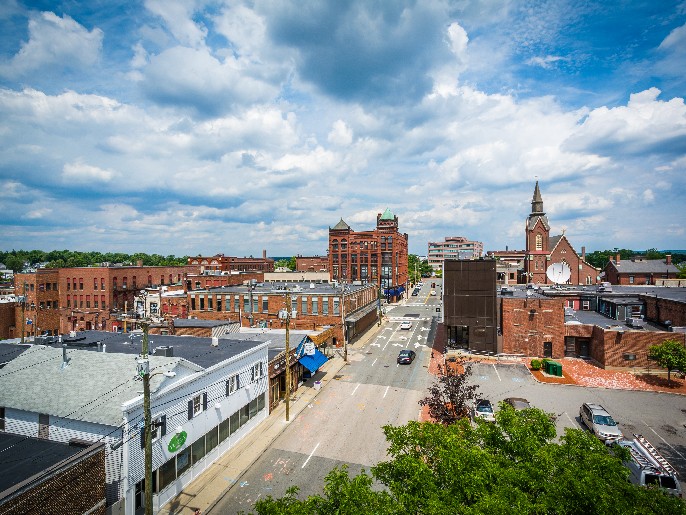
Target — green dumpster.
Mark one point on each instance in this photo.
(556, 369)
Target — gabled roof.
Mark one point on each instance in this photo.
(553, 241)
(387, 215)
(92, 387)
(535, 218)
(646, 266)
(341, 226)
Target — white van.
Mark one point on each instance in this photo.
(649, 467)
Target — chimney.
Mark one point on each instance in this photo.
(139, 263)
(617, 259)
(668, 259)
(583, 253)
(264, 254)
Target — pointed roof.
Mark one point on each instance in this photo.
(537, 201)
(387, 215)
(341, 226)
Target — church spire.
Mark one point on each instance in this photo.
(537, 202)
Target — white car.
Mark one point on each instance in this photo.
(405, 325)
(433, 293)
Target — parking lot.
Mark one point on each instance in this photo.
(660, 417)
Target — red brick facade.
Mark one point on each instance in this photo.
(378, 256)
(528, 324)
(223, 263)
(312, 264)
(637, 271)
(542, 250)
(8, 322)
(661, 310)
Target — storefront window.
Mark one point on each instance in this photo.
(183, 461)
(167, 473)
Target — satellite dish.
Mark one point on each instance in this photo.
(558, 273)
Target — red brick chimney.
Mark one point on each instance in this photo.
(264, 254)
(617, 259)
(668, 259)
(583, 253)
(139, 263)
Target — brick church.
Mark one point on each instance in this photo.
(543, 250)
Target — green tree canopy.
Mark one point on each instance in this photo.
(670, 354)
(512, 466)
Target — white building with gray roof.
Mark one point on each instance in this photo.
(201, 412)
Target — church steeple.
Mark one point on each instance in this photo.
(537, 202)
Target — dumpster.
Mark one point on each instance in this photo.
(556, 369)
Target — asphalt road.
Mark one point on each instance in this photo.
(659, 417)
(344, 423)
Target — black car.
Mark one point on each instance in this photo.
(406, 357)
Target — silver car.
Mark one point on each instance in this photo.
(598, 420)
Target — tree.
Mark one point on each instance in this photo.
(670, 354)
(515, 465)
(451, 395)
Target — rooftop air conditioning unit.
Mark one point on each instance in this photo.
(165, 350)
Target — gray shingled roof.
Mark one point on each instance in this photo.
(534, 218)
(341, 226)
(92, 387)
(648, 266)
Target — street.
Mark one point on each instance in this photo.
(344, 423)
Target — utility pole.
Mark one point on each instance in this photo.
(145, 372)
(285, 314)
(345, 340)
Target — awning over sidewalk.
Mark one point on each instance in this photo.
(312, 363)
(311, 360)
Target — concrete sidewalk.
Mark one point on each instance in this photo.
(213, 483)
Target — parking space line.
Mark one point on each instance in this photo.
(308, 458)
(384, 394)
(358, 385)
(496, 372)
(665, 441)
(374, 361)
(570, 419)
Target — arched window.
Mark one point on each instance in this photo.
(539, 242)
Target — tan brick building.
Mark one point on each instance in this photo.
(542, 250)
(223, 263)
(311, 263)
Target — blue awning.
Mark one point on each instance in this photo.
(312, 363)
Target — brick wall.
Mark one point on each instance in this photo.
(528, 323)
(8, 323)
(77, 488)
(616, 343)
(660, 310)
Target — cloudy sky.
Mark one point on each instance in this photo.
(199, 127)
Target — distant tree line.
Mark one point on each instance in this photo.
(18, 260)
(600, 258)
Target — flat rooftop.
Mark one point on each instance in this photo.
(192, 348)
(29, 456)
(297, 288)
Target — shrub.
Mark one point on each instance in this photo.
(535, 364)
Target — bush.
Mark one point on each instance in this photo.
(536, 364)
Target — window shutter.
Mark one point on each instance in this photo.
(143, 437)
(228, 387)
(190, 409)
(163, 425)
(204, 401)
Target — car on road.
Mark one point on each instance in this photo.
(415, 292)
(518, 403)
(406, 325)
(483, 409)
(406, 357)
(433, 293)
(600, 422)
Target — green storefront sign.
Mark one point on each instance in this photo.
(177, 441)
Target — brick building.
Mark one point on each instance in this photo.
(59, 300)
(223, 263)
(542, 250)
(311, 263)
(639, 270)
(453, 247)
(317, 305)
(532, 325)
(378, 256)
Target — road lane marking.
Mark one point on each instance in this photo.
(496, 372)
(313, 450)
(358, 385)
(384, 347)
(374, 361)
(665, 441)
(569, 418)
(384, 394)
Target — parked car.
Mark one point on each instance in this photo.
(600, 423)
(483, 409)
(406, 357)
(518, 403)
(406, 325)
(433, 293)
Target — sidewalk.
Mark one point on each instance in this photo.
(211, 485)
